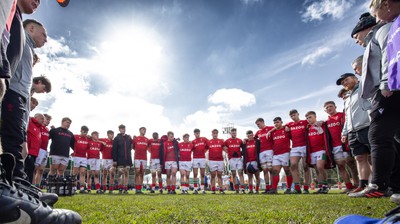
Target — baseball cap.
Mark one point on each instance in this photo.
(345, 75)
(63, 3)
(366, 21)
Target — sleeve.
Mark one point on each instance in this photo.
(381, 36)
(72, 141)
(115, 149)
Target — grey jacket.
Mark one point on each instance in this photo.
(21, 80)
(356, 118)
(375, 64)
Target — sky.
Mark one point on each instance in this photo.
(176, 65)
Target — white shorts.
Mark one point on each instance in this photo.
(338, 153)
(316, 156)
(300, 151)
(57, 160)
(170, 164)
(80, 162)
(185, 165)
(253, 163)
(236, 164)
(140, 164)
(155, 165)
(93, 164)
(41, 159)
(199, 163)
(107, 164)
(281, 160)
(266, 156)
(216, 166)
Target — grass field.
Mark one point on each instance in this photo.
(228, 208)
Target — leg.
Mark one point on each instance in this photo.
(213, 175)
(202, 176)
(294, 168)
(219, 176)
(352, 166)
(275, 176)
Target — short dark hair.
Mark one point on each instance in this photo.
(196, 130)
(214, 130)
(84, 128)
(48, 116)
(249, 132)
(95, 133)
(29, 21)
(66, 119)
(293, 111)
(142, 128)
(329, 102)
(233, 129)
(342, 92)
(170, 133)
(44, 80)
(34, 100)
(121, 126)
(277, 119)
(358, 60)
(311, 113)
(259, 120)
(110, 132)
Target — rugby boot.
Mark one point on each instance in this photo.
(19, 207)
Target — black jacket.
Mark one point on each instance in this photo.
(121, 150)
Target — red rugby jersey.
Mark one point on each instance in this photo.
(298, 133)
(45, 137)
(140, 144)
(94, 150)
(154, 148)
(169, 151)
(185, 151)
(316, 138)
(233, 145)
(251, 151)
(281, 141)
(199, 148)
(106, 150)
(81, 146)
(335, 124)
(265, 144)
(215, 148)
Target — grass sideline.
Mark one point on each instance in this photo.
(228, 208)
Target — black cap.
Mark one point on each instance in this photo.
(196, 130)
(345, 75)
(366, 21)
(63, 3)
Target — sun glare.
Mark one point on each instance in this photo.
(133, 54)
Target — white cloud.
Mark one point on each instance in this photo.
(233, 99)
(317, 10)
(247, 2)
(319, 53)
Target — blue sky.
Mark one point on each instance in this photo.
(179, 65)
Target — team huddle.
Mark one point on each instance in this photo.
(317, 143)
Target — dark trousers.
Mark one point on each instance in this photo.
(30, 167)
(384, 136)
(13, 130)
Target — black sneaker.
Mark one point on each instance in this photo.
(83, 191)
(161, 191)
(19, 207)
(152, 191)
(294, 191)
(287, 191)
(139, 192)
(251, 192)
(272, 191)
(28, 188)
(306, 192)
(322, 190)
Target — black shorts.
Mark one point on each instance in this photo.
(358, 142)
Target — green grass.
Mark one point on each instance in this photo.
(217, 208)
